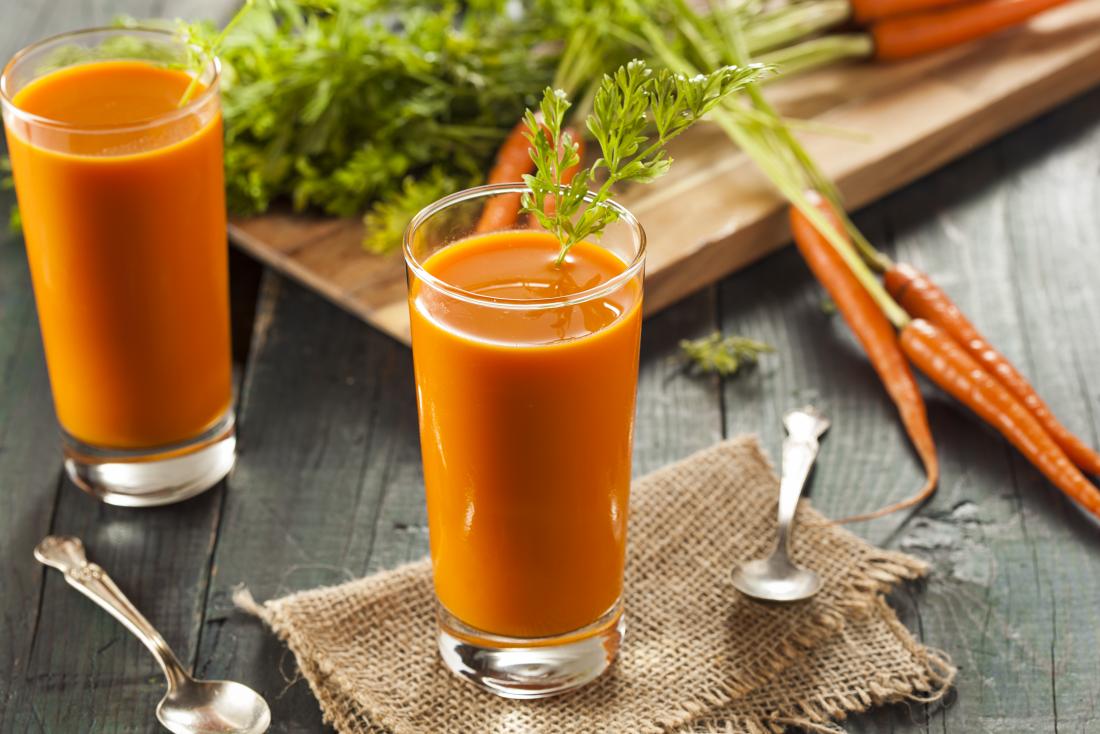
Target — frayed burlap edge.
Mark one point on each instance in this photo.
(822, 714)
(875, 575)
(319, 679)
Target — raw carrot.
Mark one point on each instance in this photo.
(513, 161)
(876, 334)
(951, 367)
(921, 33)
(922, 298)
(866, 11)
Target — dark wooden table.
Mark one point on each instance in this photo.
(328, 485)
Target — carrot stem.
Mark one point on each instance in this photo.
(819, 52)
(778, 154)
(212, 51)
(792, 23)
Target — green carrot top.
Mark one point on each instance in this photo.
(625, 105)
(202, 46)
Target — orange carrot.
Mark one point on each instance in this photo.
(876, 334)
(922, 298)
(866, 11)
(951, 367)
(513, 160)
(921, 33)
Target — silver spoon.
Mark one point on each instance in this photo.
(776, 578)
(190, 706)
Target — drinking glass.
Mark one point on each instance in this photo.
(526, 387)
(124, 223)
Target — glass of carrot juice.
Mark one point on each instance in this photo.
(526, 373)
(121, 195)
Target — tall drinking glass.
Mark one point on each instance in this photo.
(526, 373)
(121, 194)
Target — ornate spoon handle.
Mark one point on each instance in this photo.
(66, 554)
(799, 453)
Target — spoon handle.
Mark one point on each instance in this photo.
(66, 554)
(799, 453)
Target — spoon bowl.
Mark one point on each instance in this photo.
(213, 707)
(759, 580)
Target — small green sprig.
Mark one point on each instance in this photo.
(723, 355)
(202, 45)
(626, 105)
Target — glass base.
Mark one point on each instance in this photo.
(158, 476)
(531, 668)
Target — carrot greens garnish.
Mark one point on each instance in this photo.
(626, 104)
(723, 355)
(203, 47)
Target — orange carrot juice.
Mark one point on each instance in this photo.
(122, 200)
(526, 418)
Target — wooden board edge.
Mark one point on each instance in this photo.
(771, 232)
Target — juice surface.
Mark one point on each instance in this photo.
(125, 235)
(526, 428)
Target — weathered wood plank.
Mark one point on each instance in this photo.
(29, 466)
(1009, 239)
(328, 437)
(677, 413)
(987, 578)
(29, 462)
(1055, 285)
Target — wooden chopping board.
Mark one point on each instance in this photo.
(714, 213)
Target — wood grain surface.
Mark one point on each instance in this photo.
(327, 485)
(714, 213)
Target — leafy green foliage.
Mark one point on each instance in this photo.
(724, 356)
(387, 219)
(339, 105)
(203, 44)
(624, 106)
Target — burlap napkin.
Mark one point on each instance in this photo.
(698, 656)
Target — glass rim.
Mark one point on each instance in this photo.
(8, 102)
(532, 304)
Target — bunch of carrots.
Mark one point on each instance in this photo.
(909, 319)
(906, 318)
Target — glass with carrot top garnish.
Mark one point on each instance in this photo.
(525, 333)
